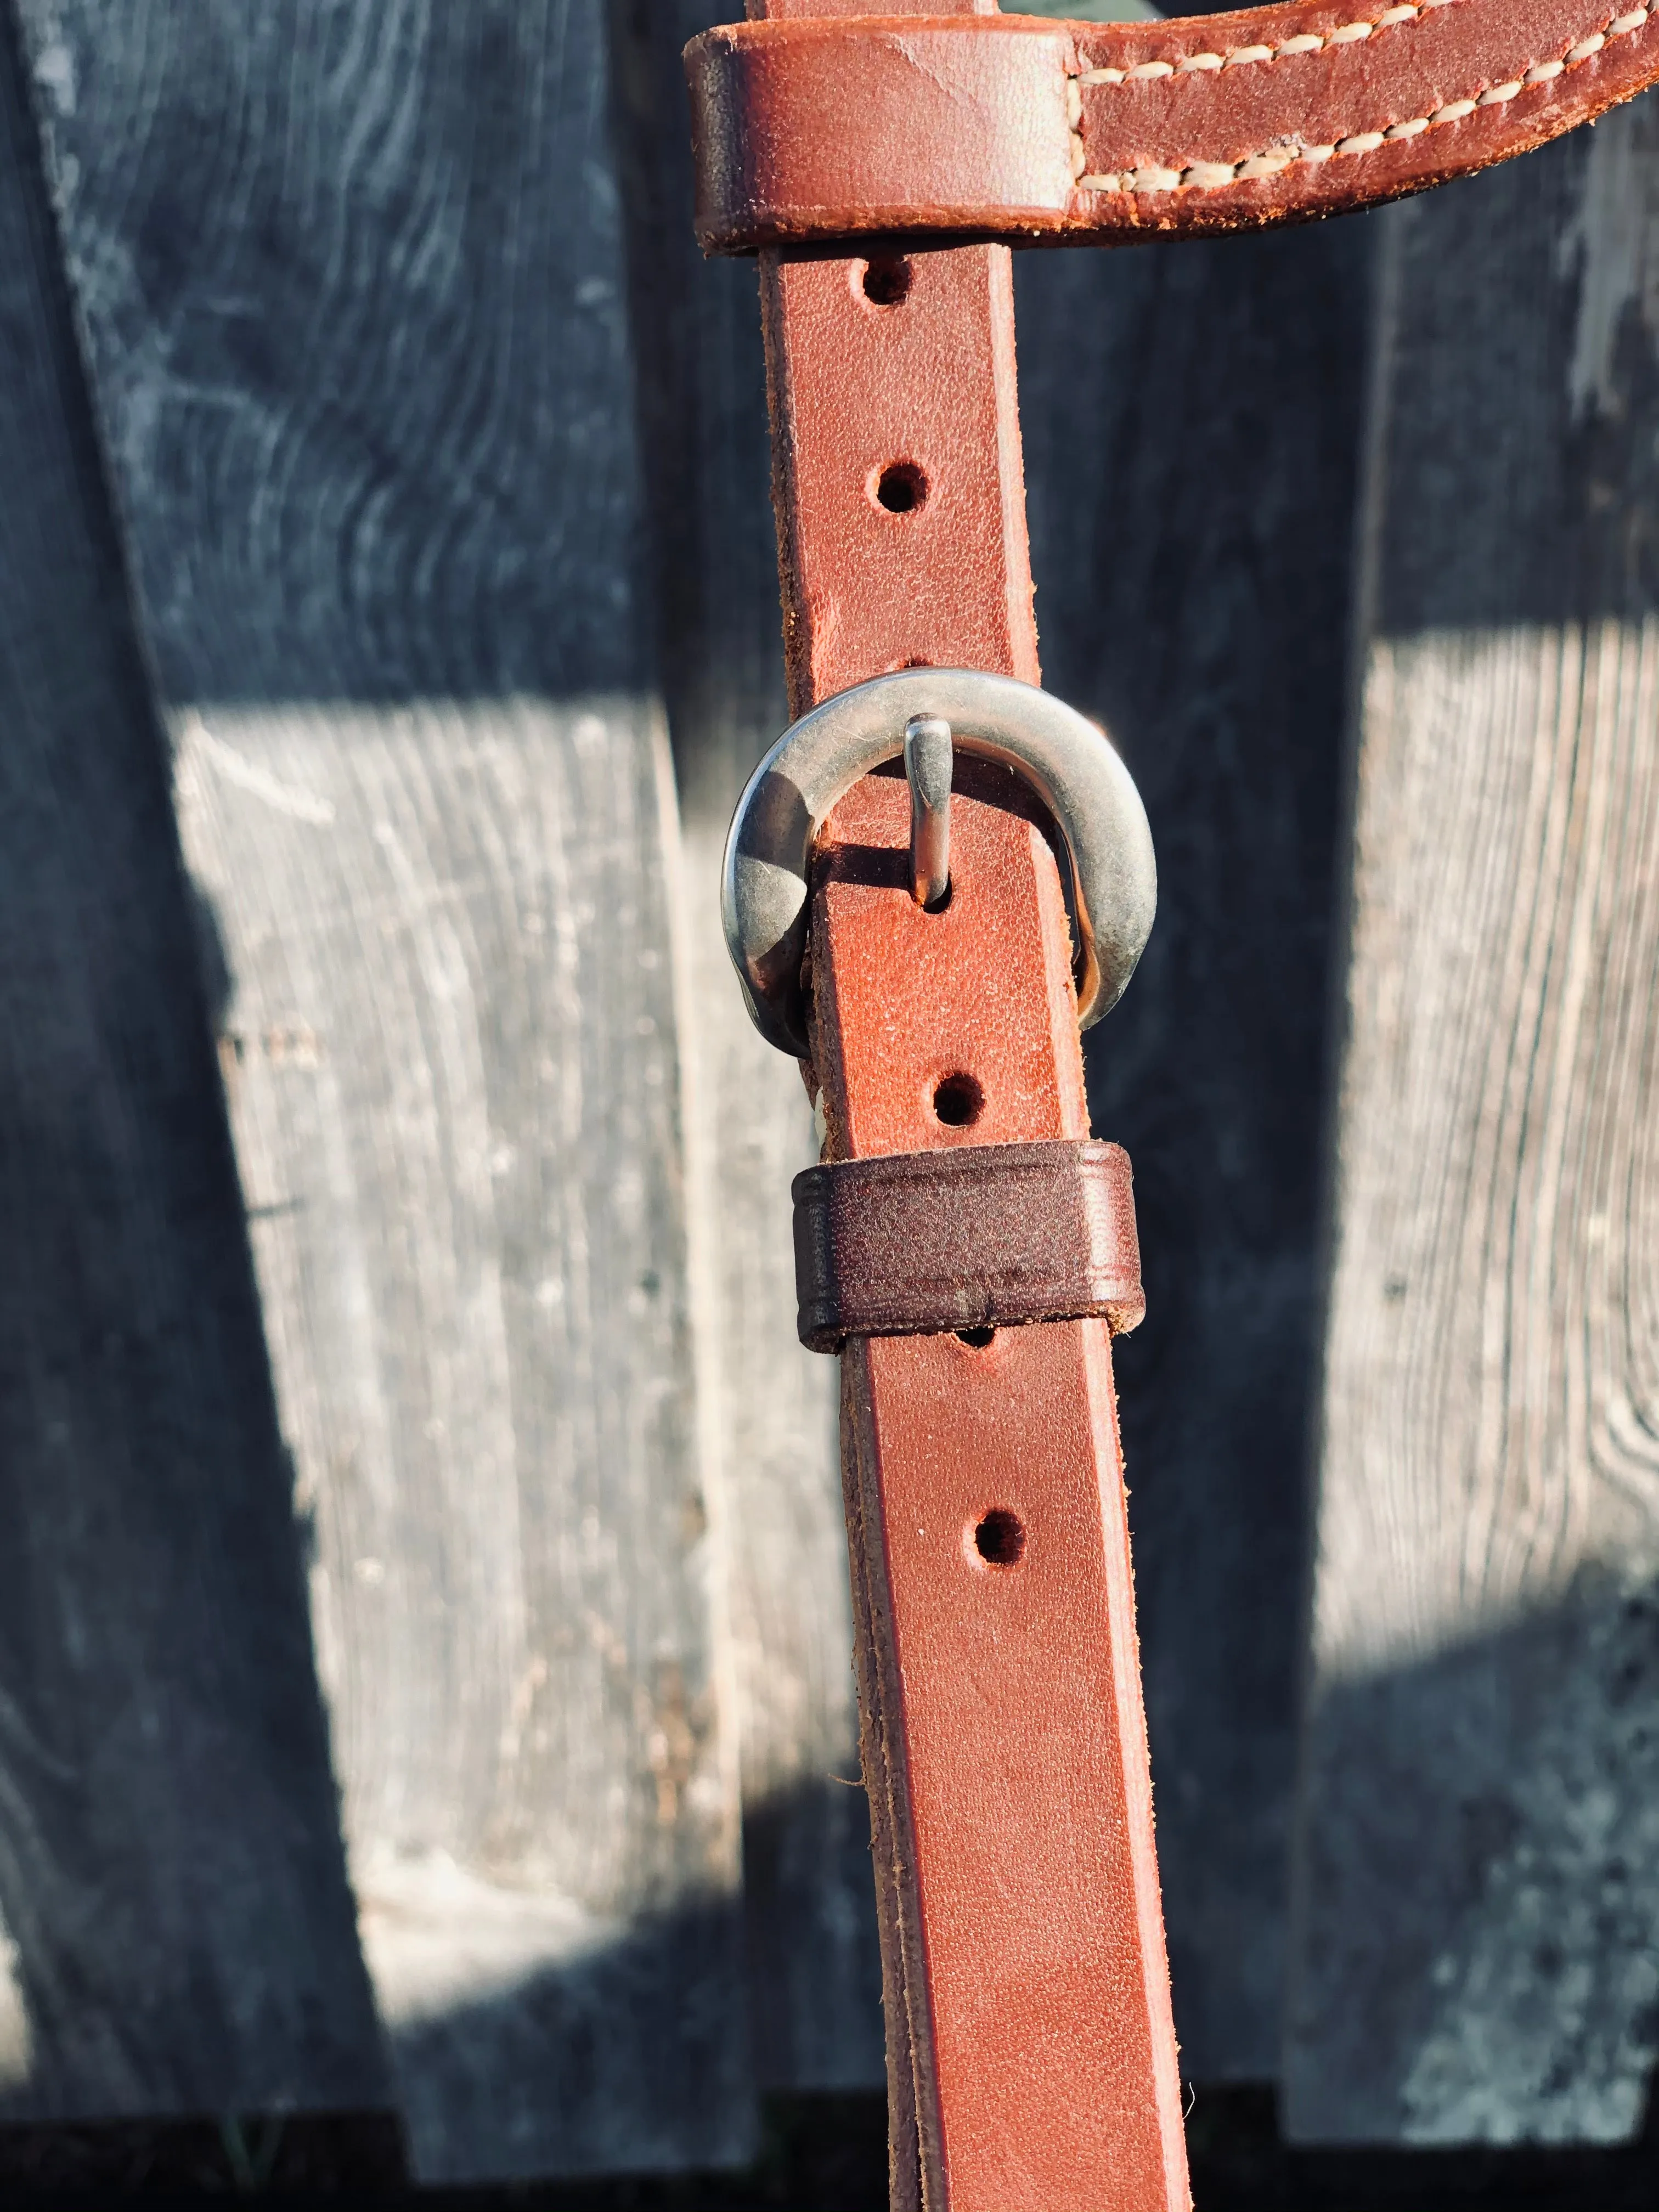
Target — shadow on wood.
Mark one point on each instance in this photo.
(171, 1874)
(816, 2151)
(1477, 1916)
(351, 281)
(624, 2019)
(1192, 422)
(809, 1903)
(1510, 1989)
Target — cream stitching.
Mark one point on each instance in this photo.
(1212, 176)
(1305, 42)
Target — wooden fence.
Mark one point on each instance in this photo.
(423, 1635)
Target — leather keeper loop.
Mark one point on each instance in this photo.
(972, 1236)
(810, 130)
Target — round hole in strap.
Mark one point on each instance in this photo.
(958, 1102)
(976, 1340)
(885, 280)
(999, 1538)
(900, 488)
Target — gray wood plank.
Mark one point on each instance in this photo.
(809, 1896)
(353, 288)
(449, 1041)
(1191, 421)
(1479, 1894)
(177, 1923)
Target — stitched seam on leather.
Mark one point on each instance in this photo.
(1305, 42)
(1215, 176)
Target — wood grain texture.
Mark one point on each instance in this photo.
(809, 1898)
(1478, 1900)
(1191, 420)
(179, 1925)
(352, 278)
(449, 1041)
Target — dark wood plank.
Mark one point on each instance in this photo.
(1479, 1882)
(354, 284)
(172, 1881)
(1191, 418)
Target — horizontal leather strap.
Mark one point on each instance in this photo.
(814, 130)
(973, 1237)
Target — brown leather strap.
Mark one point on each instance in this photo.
(876, 373)
(976, 1238)
(1018, 127)
(1004, 1742)
(1032, 2062)
(1031, 2056)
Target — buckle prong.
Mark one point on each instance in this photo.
(926, 715)
(929, 760)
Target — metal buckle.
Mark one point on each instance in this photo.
(1068, 761)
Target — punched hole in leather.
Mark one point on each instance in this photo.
(1028, 1994)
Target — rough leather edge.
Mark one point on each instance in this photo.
(915, 2164)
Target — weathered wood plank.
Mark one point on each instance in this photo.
(172, 1881)
(1191, 418)
(1479, 1897)
(449, 1039)
(809, 1897)
(353, 282)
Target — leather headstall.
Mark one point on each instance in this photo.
(1022, 128)
(965, 1243)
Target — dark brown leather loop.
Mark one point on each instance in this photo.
(980, 1236)
(1032, 2053)
(810, 131)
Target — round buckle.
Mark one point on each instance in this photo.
(1067, 761)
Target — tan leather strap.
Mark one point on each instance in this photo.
(1022, 128)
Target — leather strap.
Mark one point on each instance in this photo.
(1030, 2049)
(977, 1238)
(1031, 2054)
(1017, 127)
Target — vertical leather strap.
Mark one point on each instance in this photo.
(864, 382)
(1031, 2055)
(1004, 1741)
